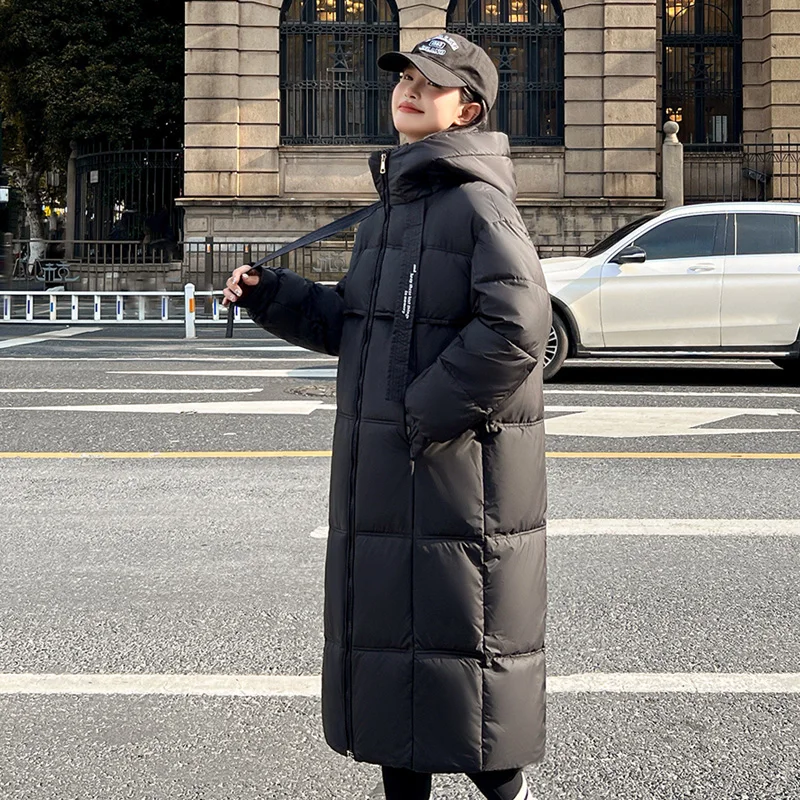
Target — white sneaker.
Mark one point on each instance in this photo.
(523, 793)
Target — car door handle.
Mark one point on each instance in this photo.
(702, 268)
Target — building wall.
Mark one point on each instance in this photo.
(241, 184)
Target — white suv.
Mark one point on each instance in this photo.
(719, 280)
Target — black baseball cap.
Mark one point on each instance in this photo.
(451, 61)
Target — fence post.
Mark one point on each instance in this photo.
(191, 332)
(7, 259)
(672, 167)
(209, 265)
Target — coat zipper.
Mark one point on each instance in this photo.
(348, 645)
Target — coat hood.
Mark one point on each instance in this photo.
(444, 160)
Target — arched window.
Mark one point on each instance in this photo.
(525, 39)
(332, 91)
(702, 69)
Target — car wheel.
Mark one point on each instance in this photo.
(557, 347)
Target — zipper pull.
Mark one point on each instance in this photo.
(383, 163)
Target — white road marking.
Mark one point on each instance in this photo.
(624, 422)
(658, 527)
(159, 358)
(670, 362)
(130, 391)
(235, 407)
(297, 372)
(289, 348)
(710, 393)
(310, 685)
(48, 336)
(673, 527)
(585, 421)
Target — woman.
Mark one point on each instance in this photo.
(435, 591)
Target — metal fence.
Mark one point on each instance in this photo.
(106, 265)
(58, 306)
(752, 172)
(125, 193)
(114, 266)
(208, 264)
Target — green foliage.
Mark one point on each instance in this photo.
(83, 69)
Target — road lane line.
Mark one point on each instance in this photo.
(658, 527)
(568, 454)
(295, 372)
(273, 407)
(244, 454)
(130, 391)
(159, 358)
(673, 527)
(310, 685)
(170, 454)
(47, 336)
(613, 393)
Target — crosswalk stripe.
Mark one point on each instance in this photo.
(245, 454)
(310, 685)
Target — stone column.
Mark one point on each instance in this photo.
(610, 97)
(630, 98)
(232, 98)
(755, 88)
(72, 200)
(782, 65)
(420, 20)
(583, 98)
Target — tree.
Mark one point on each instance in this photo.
(83, 69)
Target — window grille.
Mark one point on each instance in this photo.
(525, 39)
(332, 91)
(702, 69)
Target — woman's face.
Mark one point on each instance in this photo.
(419, 108)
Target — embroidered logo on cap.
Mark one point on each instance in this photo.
(438, 45)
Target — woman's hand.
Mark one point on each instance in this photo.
(239, 282)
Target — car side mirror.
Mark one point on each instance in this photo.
(630, 255)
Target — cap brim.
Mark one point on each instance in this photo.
(435, 73)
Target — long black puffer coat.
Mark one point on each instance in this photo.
(435, 590)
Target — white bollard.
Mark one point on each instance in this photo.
(164, 308)
(74, 313)
(97, 307)
(120, 309)
(142, 307)
(6, 307)
(53, 308)
(190, 311)
(28, 307)
(215, 309)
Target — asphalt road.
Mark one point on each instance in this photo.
(123, 563)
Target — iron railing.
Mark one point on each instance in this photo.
(525, 39)
(208, 264)
(129, 192)
(702, 67)
(127, 266)
(751, 172)
(332, 91)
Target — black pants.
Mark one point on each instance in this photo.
(403, 784)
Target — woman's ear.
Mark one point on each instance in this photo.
(468, 114)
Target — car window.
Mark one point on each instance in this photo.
(619, 234)
(687, 237)
(766, 234)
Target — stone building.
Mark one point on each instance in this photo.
(284, 103)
